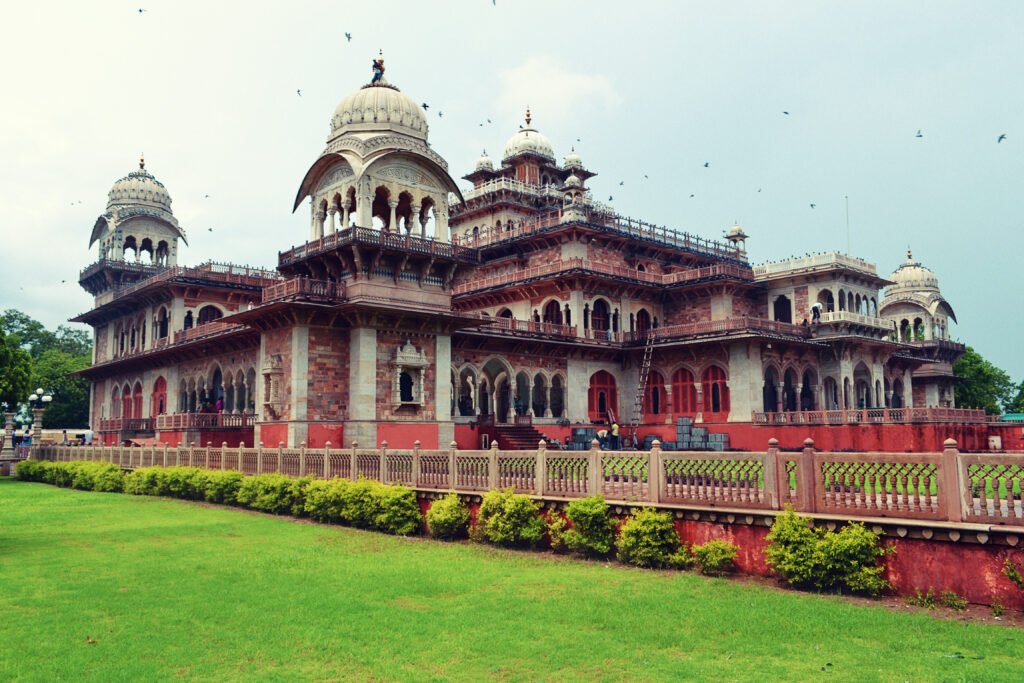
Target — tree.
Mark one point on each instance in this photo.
(981, 385)
(53, 370)
(15, 371)
(1017, 404)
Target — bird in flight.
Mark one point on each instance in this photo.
(645, 176)
(440, 114)
(348, 37)
(692, 196)
(622, 182)
(707, 164)
(1001, 137)
(609, 197)
(206, 196)
(919, 134)
(759, 189)
(425, 106)
(209, 230)
(488, 120)
(813, 205)
(141, 11)
(786, 113)
(299, 93)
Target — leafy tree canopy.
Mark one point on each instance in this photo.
(30, 335)
(982, 385)
(15, 371)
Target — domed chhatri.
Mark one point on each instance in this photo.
(139, 188)
(915, 304)
(529, 141)
(912, 275)
(573, 160)
(484, 163)
(379, 107)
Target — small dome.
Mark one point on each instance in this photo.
(139, 188)
(573, 160)
(379, 107)
(735, 231)
(573, 181)
(528, 139)
(912, 275)
(484, 163)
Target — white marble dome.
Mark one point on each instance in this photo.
(912, 275)
(380, 107)
(484, 163)
(529, 139)
(573, 160)
(573, 181)
(139, 188)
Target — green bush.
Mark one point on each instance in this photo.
(221, 486)
(716, 557)
(593, 530)
(825, 560)
(107, 477)
(324, 499)
(448, 517)
(274, 493)
(923, 600)
(509, 519)
(557, 526)
(398, 511)
(31, 470)
(649, 539)
(952, 601)
(358, 504)
(145, 481)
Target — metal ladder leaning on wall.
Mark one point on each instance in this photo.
(641, 389)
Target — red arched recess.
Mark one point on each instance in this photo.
(602, 396)
(159, 397)
(115, 402)
(126, 402)
(654, 395)
(684, 393)
(137, 401)
(716, 393)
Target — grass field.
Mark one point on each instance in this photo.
(168, 590)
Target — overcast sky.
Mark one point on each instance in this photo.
(208, 91)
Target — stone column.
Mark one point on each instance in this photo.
(362, 382)
(318, 225)
(8, 449)
(547, 400)
(780, 397)
(393, 220)
(344, 216)
(37, 424)
(799, 388)
(443, 389)
(415, 225)
(332, 221)
(298, 427)
(441, 224)
(908, 391)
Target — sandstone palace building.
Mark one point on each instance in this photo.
(511, 307)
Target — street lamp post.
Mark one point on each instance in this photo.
(39, 400)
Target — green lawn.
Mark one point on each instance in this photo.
(173, 590)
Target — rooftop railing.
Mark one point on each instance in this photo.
(802, 263)
(857, 318)
(374, 237)
(872, 416)
(305, 288)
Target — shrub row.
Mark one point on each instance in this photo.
(805, 556)
(87, 476)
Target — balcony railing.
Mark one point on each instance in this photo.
(305, 288)
(126, 424)
(622, 225)
(379, 238)
(726, 326)
(946, 486)
(531, 327)
(873, 416)
(210, 329)
(578, 263)
(182, 421)
(804, 263)
(857, 319)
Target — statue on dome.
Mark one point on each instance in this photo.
(378, 68)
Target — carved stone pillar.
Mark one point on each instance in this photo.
(799, 396)
(547, 400)
(415, 225)
(344, 217)
(318, 225)
(332, 221)
(780, 396)
(8, 448)
(392, 225)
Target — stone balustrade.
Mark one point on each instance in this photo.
(945, 487)
(873, 416)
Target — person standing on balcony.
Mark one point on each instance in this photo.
(219, 405)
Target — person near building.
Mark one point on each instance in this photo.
(616, 444)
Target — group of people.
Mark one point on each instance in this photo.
(609, 438)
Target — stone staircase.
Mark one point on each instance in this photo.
(517, 437)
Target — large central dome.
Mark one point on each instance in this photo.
(376, 108)
(529, 140)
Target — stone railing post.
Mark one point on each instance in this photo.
(383, 462)
(595, 477)
(326, 474)
(353, 473)
(280, 456)
(416, 464)
(453, 447)
(954, 488)
(806, 479)
(492, 467)
(656, 473)
(776, 480)
(206, 455)
(223, 455)
(302, 459)
(192, 454)
(259, 458)
(163, 456)
(540, 467)
(110, 455)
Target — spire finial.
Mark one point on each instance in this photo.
(142, 161)
(529, 117)
(910, 254)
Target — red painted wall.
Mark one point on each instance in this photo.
(1011, 434)
(273, 433)
(320, 434)
(403, 434)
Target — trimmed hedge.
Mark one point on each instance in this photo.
(593, 530)
(649, 539)
(509, 519)
(86, 476)
(448, 518)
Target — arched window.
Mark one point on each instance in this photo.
(842, 300)
(159, 397)
(137, 401)
(552, 312)
(126, 402)
(161, 324)
(600, 317)
(684, 392)
(187, 325)
(783, 310)
(505, 313)
(557, 397)
(716, 392)
(602, 398)
(405, 387)
(654, 395)
(643, 320)
(771, 390)
(207, 314)
(115, 402)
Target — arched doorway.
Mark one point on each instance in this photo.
(557, 397)
(684, 392)
(807, 391)
(789, 398)
(552, 313)
(715, 390)
(654, 395)
(539, 396)
(643, 321)
(771, 390)
(783, 309)
(159, 397)
(602, 397)
(600, 316)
